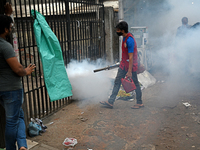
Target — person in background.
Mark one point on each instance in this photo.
(181, 34)
(128, 66)
(8, 12)
(8, 9)
(182, 30)
(11, 91)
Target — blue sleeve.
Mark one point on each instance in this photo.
(130, 44)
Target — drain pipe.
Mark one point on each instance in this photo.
(121, 18)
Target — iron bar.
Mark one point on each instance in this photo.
(76, 24)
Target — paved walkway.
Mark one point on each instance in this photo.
(42, 147)
(32, 145)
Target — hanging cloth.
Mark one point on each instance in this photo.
(55, 75)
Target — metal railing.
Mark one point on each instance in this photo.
(80, 31)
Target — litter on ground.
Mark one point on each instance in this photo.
(186, 104)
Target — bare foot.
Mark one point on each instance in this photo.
(23, 148)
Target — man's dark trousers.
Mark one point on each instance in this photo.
(121, 74)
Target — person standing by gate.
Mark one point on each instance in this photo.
(128, 66)
(11, 92)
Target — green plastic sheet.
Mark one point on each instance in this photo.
(55, 75)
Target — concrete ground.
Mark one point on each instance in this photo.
(43, 147)
(163, 124)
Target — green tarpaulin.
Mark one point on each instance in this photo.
(55, 75)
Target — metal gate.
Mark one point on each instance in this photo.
(79, 27)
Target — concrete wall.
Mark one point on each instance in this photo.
(111, 38)
(116, 39)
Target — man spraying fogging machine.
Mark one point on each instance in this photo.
(128, 66)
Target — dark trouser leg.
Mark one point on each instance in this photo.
(21, 135)
(120, 74)
(12, 102)
(138, 89)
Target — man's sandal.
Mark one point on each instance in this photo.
(107, 104)
(137, 106)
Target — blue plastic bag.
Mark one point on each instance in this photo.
(34, 129)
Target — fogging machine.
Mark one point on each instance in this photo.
(108, 67)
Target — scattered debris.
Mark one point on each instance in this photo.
(146, 79)
(82, 113)
(184, 127)
(163, 129)
(196, 118)
(191, 135)
(70, 142)
(131, 100)
(82, 119)
(36, 127)
(148, 147)
(186, 104)
(51, 123)
(198, 121)
(142, 87)
(100, 112)
(122, 95)
(160, 81)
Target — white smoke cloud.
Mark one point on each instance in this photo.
(178, 52)
(175, 55)
(86, 84)
(162, 19)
